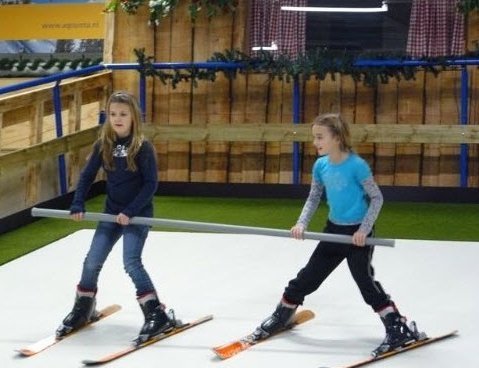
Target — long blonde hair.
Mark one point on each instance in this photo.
(108, 137)
(338, 128)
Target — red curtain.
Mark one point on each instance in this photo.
(269, 24)
(436, 29)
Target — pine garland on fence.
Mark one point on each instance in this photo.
(315, 64)
(467, 6)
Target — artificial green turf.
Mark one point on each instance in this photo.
(397, 220)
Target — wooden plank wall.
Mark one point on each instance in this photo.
(253, 98)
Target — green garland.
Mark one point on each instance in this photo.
(162, 8)
(315, 64)
(467, 6)
(40, 67)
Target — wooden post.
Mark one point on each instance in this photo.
(218, 106)
(109, 40)
(347, 99)
(161, 100)
(410, 111)
(36, 123)
(253, 153)
(472, 33)
(311, 110)
(286, 148)
(330, 94)
(132, 32)
(33, 169)
(364, 114)
(74, 111)
(180, 97)
(74, 125)
(238, 116)
(432, 115)
(238, 93)
(386, 113)
(199, 111)
(273, 149)
(450, 114)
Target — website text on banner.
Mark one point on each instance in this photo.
(52, 21)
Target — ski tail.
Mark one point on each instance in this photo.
(49, 341)
(134, 347)
(410, 346)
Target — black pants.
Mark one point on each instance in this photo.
(326, 257)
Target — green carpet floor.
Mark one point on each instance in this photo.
(397, 220)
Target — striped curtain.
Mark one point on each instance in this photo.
(268, 25)
(436, 29)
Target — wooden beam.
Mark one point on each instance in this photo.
(49, 149)
(16, 108)
(361, 133)
(384, 133)
(411, 133)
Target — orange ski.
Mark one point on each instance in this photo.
(228, 350)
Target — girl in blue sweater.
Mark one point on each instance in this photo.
(354, 201)
(129, 162)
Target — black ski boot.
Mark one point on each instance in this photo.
(157, 321)
(398, 333)
(278, 321)
(82, 313)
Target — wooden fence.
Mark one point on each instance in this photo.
(29, 147)
(242, 132)
(27, 162)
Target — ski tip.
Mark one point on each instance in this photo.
(223, 354)
(113, 308)
(228, 350)
(217, 353)
(89, 362)
(303, 316)
(308, 312)
(24, 352)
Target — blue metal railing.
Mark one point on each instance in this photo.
(296, 120)
(463, 62)
(52, 78)
(57, 103)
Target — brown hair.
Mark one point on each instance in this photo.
(338, 128)
(107, 135)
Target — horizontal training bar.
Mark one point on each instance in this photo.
(209, 227)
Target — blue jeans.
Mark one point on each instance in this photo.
(105, 237)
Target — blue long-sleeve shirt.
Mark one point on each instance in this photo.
(128, 192)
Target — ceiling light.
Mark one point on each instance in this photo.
(383, 8)
(273, 47)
